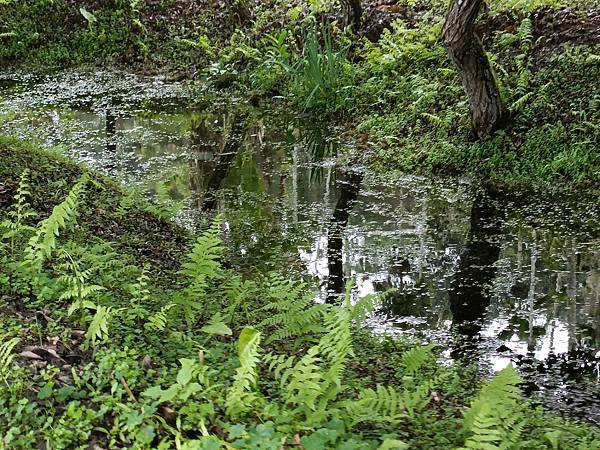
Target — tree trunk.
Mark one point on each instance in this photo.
(466, 51)
(352, 12)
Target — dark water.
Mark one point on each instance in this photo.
(491, 276)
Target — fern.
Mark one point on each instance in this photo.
(486, 431)
(158, 320)
(216, 326)
(292, 310)
(43, 243)
(315, 380)
(386, 405)
(336, 345)
(416, 358)
(496, 415)
(77, 285)
(98, 328)
(16, 226)
(518, 104)
(6, 356)
(364, 306)
(240, 396)
(525, 35)
(238, 291)
(200, 265)
(202, 261)
(140, 295)
(303, 383)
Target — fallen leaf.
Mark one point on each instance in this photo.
(30, 355)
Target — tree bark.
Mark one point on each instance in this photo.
(352, 11)
(466, 51)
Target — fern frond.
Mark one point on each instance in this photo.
(386, 405)
(292, 309)
(98, 328)
(518, 104)
(336, 345)
(202, 261)
(496, 414)
(20, 211)
(200, 265)
(240, 396)
(41, 245)
(304, 383)
(6, 355)
(416, 358)
(158, 320)
(525, 34)
(238, 291)
(364, 307)
(486, 431)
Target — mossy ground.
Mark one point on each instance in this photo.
(105, 215)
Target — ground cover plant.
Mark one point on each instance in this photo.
(102, 346)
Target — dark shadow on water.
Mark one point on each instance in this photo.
(349, 183)
(469, 289)
(213, 160)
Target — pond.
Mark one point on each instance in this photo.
(490, 276)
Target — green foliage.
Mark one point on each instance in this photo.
(496, 417)
(315, 379)
(386, 405)
(43, 242)
(416, 358)
(6, 355)
(200, 265)
(321, 81)
(15, 226)
(98, 328)
(291, 307)
(240, 397)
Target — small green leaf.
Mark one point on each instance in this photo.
(246, 336)
(393, 444)
(320, 439)
(169, 394)
(46, 391)
(189, 390)
(153, 392)
(219, 328)
(90, 17)
(185, 373)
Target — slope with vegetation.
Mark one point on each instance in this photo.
(114, 337)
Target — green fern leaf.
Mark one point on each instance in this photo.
(240, 396)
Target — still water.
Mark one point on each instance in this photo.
(490, 276)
